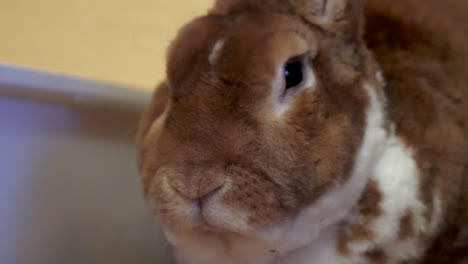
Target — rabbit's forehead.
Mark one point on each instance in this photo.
(246, 46)
(262, 39)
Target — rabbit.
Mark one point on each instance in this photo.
(312, 132)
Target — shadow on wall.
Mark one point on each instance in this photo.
(69, 190)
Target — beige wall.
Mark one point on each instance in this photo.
(122, 41)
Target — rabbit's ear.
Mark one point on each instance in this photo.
(342, 17)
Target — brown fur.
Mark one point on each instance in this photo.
(376, 256)
(406, 229)
(216, 122)
(424, 57)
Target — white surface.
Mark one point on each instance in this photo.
(16, 79)
(69, 190)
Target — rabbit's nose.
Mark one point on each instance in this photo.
(199, 191)
(203, 198)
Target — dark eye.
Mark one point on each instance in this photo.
(293, 73)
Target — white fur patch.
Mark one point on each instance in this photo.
(216, 51)
(396, 175)
(310, 78)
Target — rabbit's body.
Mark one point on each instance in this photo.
(365, 160)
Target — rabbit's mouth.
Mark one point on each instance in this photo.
(210, 221)
(211, 215)
(239, 203)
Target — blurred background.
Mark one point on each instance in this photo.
(74, 76)
(120, 41)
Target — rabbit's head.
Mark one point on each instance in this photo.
(263, 112)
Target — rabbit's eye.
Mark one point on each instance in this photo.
(293, 73)
(293, 78)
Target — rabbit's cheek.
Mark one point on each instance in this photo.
(257, 200)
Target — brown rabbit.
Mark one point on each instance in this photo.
(313, 132)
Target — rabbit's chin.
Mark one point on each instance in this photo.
(208, 243)
(215, 230)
